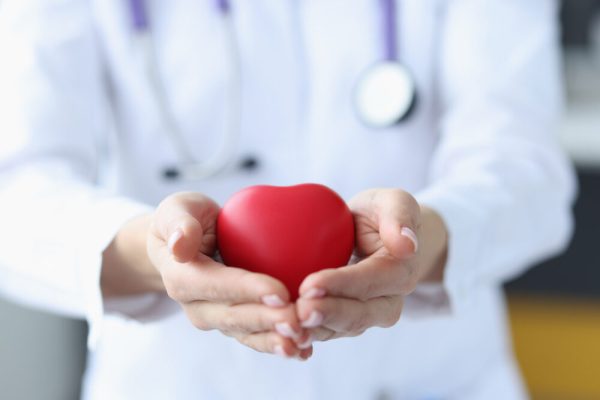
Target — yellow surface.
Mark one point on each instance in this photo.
(557, 342)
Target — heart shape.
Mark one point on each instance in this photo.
(286, 232)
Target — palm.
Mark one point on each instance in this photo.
(368, 239)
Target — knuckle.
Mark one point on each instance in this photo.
(329, 335)
(198, 322)
(271, 342)
(210, 292)
(391, 319)
(257, 285)
(323, 335)
(409, 203)
(396, 194)
(229, 321)
(252, 283)
(371, 289)
(202, 325)
(356, 333)
(246, 340)
(170, 201)
(408, 286)
(392, 316)
(359, 324)
(395, 316)
(409, 281)
(286, 314)
(404, 197)
(326, 277)
(174, 289)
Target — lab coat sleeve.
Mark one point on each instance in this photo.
(56, 220)
(498, 177)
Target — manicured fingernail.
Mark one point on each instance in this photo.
(175, 236)
(412, 236)
(279, 351)
(314, 319)
(273, 300)
(286, 330)
(306, 344)
(313, 293)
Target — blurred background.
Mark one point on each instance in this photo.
(554, 308)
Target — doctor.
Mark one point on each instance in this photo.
(124, 124)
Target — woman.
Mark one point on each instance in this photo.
(101, 225)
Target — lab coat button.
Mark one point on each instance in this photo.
(249, 163)
(171, 173)
(383, 395)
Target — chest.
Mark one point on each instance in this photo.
(299, 64)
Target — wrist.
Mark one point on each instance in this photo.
(434, 248)
(126, 268)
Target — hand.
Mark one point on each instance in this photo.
(346, 301)
(252, 308)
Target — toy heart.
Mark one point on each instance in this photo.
(286, 232)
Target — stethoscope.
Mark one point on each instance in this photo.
(385, 93)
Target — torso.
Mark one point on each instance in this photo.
(300, 62)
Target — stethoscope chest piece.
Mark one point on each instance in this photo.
(385, 94)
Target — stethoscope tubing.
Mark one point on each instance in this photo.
(390, 29)
(188, 165)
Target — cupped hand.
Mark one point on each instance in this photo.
(252, 308)
(347, 301)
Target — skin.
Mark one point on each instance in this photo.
(171, 251)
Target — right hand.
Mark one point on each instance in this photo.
(252, 308)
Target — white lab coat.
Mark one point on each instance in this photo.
(82, 147)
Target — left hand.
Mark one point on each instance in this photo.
(346, 301)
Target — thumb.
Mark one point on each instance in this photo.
(186, 223)
(399, 222)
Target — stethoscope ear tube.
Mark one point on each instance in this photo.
(189, 167)
(384, 95)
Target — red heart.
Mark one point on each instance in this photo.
(286, 232)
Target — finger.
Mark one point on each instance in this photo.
(322, 334)
(375, 276)
(205, 279)
(347, 315)
(305, 354)
(244, 318)
(269, 342)
(397, 214)
(186, 222)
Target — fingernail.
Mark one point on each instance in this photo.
(279, 351)
(175, 236)
(313, 293)
(314, 320)
(286, 330)
(273, 300)
(407, 232)
(306, 344)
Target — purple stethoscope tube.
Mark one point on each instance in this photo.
(139, 13)
(390, 30)
(141, 23)
(386, 80)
